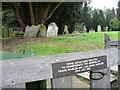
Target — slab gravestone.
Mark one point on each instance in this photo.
(52, 30)
(31, 31)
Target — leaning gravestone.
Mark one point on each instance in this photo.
(99, 28)
(42, 31)
(31, 31)
(66, 29)
(52, 30)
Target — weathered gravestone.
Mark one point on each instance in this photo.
(99, 28)
(66, 30)
(31, 31)
(11, 31)
(42, 31)
(106, 28)
(52, 30)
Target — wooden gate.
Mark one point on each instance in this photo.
(59, 68)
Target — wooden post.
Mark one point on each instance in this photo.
(118, 77)
(119, 65)
(63, 82)
(105, 81)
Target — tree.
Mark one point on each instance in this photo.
(108, 17)
(70, 13)
(95, 20)
(101, 19)
(32, 13)
(118, 10)
(88, 19)
(114, 24)
(8, 19)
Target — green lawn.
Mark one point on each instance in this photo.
(69, 43)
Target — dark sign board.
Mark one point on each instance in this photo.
(78, 66)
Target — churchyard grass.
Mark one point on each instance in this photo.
(69, 43)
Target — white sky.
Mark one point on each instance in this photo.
(101, 4)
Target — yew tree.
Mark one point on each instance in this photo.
(32, 13)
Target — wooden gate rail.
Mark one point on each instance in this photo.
(16, 71)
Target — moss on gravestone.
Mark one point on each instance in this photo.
(42, 27)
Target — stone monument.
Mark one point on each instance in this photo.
(99, 28)
(52, 30)
(31, 31)
(66, 30)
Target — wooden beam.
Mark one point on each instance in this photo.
(44, 0)
(17, 71)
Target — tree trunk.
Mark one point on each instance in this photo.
(31, 13)
(43, 15)
(15, 8)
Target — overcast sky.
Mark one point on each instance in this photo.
(101, 4)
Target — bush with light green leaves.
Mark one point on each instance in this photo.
(114, 24)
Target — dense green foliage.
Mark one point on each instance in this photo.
(9, 19)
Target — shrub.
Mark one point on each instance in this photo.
(114, 24)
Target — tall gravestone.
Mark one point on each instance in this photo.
(31, 31)
(52, 30)
(42, 31)
(99, 28)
